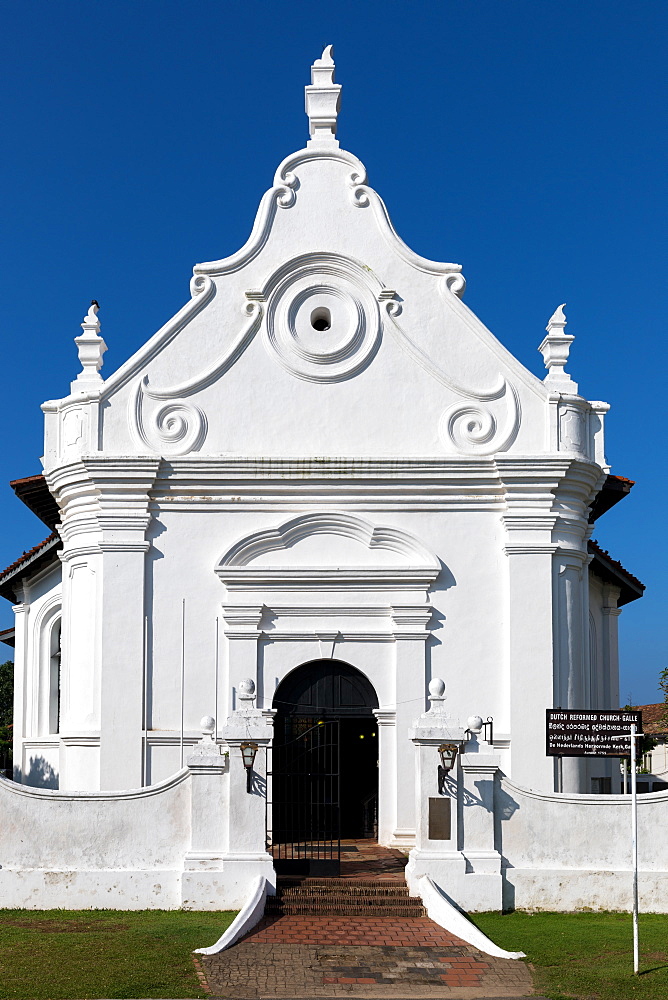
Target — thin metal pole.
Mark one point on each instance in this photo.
(634, 847)
(215, 697)
(626, 777)
(183, 669)
(145, 744)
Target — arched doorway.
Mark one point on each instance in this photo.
(324, 773)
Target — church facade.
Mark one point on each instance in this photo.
(326, 477)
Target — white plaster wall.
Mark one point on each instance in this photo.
(258, 408)
(468, 627)
(106, 850)
(567, 852)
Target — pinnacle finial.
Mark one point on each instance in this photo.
(555, 349)
(323, 98)
(557, 319)
(91, 347)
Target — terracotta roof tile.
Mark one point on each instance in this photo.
(616, 566)
(26, 556)
(654, 717)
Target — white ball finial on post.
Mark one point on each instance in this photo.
(246, 690)
(437, 696)
(323, 99)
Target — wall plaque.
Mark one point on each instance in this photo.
(439, 819)
(582, 732)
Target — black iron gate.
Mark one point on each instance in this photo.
(303, 802)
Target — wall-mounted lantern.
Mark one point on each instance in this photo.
(248, 754)
(448, 755)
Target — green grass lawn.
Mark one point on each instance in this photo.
(586, 955)
(90, 954)
(65, 954)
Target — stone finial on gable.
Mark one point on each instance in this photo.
(555, 349)
(323, 98)
(91, 347)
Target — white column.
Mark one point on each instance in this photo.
(21, 623)
(571, 642)
(387, 774)
(610, 646)
(245, 846)
(203, 883)
(479, 775)
(105, 503)
(530, 653)
(436, 850)
(241, 629)
(410, 628)
(122, 664)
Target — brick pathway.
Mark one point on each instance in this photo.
(299, 956)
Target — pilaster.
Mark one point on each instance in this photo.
(479, 777)
(245, 853)
(610, 645)
(21, 620)
(388, 779)
(436, 852)
(104, 524)
(529, 550)
(242, 631)
(411, 631)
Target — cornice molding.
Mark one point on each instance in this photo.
(350, 579)
(529, 549)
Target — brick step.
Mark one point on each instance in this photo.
(346, 910)
(400, 892)
(342, 883)
(337, 899)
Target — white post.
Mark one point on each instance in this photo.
(216, 660)
(183, 669)
(634, 847)
(145, 720)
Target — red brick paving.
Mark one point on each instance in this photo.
(308, 956)
(413, 932)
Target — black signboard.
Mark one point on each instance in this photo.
(575, 732)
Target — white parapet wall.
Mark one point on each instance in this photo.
(573, 852)
(117, 850)
(174, 845)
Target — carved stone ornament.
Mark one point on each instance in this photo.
(91, 347)
(323, 100)
(323, 320)
(474, 427)
(177, 427)
(555, 348)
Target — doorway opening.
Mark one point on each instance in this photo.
(324, 769)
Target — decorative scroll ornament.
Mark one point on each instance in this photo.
(323, 321)
(475, 429)
(469, 427)
(177, 427)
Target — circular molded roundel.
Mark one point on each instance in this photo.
(323, 323)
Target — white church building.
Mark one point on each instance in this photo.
(322, 486)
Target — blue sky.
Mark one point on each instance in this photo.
(524, 139)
